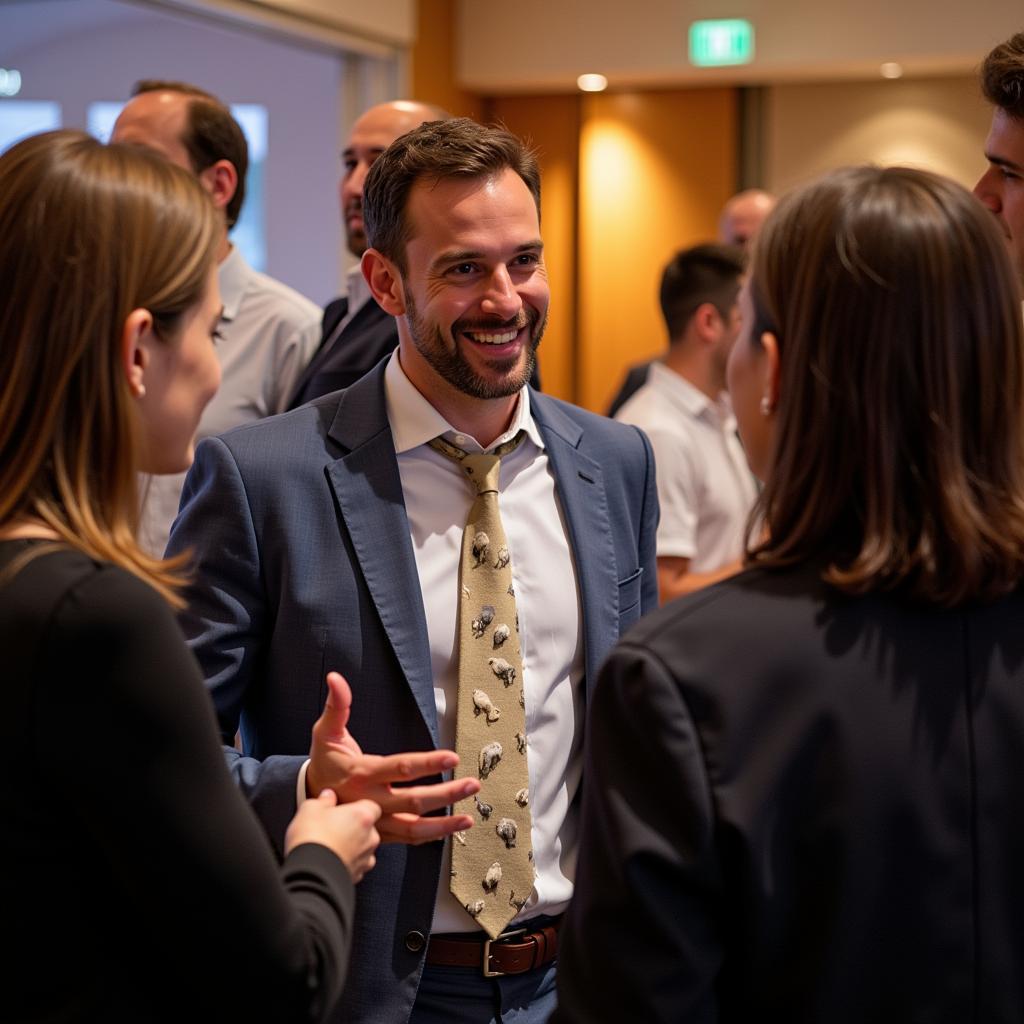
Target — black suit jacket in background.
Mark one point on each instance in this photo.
(340, 361)
(803, 807)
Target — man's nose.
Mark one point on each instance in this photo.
(501, 298)
(987, 191)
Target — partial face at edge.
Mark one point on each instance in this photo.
(1001, 187)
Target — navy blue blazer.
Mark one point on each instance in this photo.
(304, 563)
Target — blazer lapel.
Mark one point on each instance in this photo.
(368, 488)
(580, 485)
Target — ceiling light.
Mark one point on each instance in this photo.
(890, 69)
(592, 83)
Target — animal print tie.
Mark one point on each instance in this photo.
(492, 863)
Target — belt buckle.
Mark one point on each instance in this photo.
(503, 937)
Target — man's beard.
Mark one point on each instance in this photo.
(450, 364)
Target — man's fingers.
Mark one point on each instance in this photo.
(408, 767)
(422, 799)
(414, 830)
(333, 722)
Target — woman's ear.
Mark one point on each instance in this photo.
(136, 342)
(770, 348)
(385, 282)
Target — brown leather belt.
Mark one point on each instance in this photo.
(512, 952)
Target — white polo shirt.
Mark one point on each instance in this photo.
(705, 488)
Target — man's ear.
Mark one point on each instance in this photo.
(220, 180)
(136, 341)
(385, 282)
(708, 323)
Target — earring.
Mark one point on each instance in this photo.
(766, 407)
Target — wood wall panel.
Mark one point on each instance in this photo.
(551, 125)
(655, 169)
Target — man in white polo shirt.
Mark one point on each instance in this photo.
(704, 486)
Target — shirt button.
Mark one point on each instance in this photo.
(461, 439)
(415, 941)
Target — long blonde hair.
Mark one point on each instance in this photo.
(87, 234)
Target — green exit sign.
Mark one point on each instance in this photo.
(720, 43)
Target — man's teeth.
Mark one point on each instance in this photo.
(493, 339)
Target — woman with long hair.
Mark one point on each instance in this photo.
(135, 882)
(803, 796)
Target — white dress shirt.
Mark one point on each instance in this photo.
(437, 500)
(705, 488)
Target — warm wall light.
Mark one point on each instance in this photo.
(592, 83)
(890, 69)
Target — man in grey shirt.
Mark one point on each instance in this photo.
(268, 331)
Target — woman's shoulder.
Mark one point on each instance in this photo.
(56, 580)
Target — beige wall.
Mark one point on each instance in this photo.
(541, 46)
(939, 124)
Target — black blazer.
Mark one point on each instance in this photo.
(803, 807)
(135, 883)
(344, 357)
(342, 360)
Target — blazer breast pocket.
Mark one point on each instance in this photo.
(629, 598)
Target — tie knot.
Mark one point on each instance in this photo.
(483, 468)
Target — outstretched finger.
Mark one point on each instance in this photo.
(414, 830)
(422, 799)
(383, 769)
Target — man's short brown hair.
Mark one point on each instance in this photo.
(211, 134)
(1002, 76)
(436, 151)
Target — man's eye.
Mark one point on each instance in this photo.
(349, 165)
(526, 259)
(462, 269)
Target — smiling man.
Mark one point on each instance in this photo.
(349, 534)
(1001, 187)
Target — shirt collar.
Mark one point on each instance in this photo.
(233, 278)
(690, 398)
(414, 421)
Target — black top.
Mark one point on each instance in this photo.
(135, 882)
(803, 807)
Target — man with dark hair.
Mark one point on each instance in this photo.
(357, 334)
(365, 532)
(1001, 187)
(705, 489)
(267, 331)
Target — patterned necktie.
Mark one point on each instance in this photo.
(492, 864)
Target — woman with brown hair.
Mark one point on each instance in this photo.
(804, 791)
(135, 882)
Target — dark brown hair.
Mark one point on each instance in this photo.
(88, 233)
(899, 455)
(703, 273)
(211, 134)
(1002, 76)
(433, 152)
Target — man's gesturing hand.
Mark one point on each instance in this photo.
(336, 762)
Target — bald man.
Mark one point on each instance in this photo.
(356, 333)
(743, 215)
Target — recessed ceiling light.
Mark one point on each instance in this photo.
(592, 83)
(890, 69)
